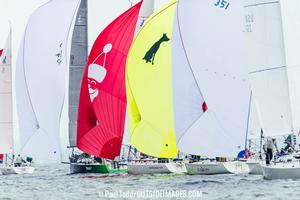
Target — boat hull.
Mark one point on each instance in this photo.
(236, 167)
(217, 168)
(282, 171)
(93, 168)
(206, 168)
(255, 168)
(17, 170)
(156, 168)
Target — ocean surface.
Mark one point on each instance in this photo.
(53, 182)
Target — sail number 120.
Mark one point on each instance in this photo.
(222, 4)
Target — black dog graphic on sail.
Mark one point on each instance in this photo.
(150, 55)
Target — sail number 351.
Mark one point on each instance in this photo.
(222, 4)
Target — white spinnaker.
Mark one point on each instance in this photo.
(6, 119)
(214, 52)
(42, 66)
(146, 11)
(267, 65)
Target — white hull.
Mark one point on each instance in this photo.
(17, 170)
(282, 171)
(236, 167)
(217, 168)
(156, 168)
(255, 168)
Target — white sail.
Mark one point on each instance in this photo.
(267, 66)
(41, 71)
(291, 32)
(6, 112)
(255, 126)
(210, 85)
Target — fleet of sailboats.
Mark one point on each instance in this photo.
(182, 85)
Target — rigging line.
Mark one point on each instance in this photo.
(185, 51)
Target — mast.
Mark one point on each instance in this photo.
(78, 58)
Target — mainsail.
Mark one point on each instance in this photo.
(210, 81)
(255, 126)
(290, 18)
(40, 75)
(149, 86)
(102, 104)
(267, 66)
(6, 111)
(79, 50)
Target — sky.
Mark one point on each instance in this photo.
(17, 13)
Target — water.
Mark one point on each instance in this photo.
(53, 182)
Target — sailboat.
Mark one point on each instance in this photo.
(40, 78)
(128, 152)
(269, 78)
(211, 91)
(6, 115)
(102, 103)
(149, 95)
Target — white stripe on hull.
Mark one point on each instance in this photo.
(217, 168)
(206, 168)
(156, 168)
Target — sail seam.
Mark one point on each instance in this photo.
(261, 4)
(267, 69)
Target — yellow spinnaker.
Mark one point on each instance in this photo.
(149, 87)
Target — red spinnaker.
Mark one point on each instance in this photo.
(102, 103)
(1, 50)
